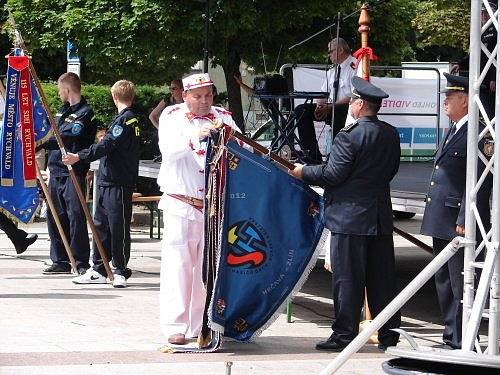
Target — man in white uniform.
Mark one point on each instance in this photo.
(183, 131)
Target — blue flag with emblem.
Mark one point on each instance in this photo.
(272, 224)
(25, 124)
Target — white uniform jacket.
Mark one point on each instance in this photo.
(183, 157)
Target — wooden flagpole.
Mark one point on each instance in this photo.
(74, 180)
(52, 208)
(364, 30)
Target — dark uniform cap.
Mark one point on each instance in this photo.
(362, 89)
(456, 83)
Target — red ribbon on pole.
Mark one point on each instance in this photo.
(362, 52)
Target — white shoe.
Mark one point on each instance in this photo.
(90, 277)
(119, 281)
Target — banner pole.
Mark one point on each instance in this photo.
(60, 142)
(264, 151)
(50, 203)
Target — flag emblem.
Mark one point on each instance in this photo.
(248, 246)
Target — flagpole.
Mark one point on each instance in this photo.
(60, 143)
(364, 30)
(52, 208)
(264, 151)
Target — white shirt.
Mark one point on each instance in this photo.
(182, 169)
(461, 122)
(345, 86)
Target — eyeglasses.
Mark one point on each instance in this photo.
(174, 88)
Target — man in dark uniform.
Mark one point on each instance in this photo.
(444, 216)
(364, 159)
(116, 179)
(74, 120)
(20, 239)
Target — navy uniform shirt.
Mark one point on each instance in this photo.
(118, 151)
(77, 132)
(363, 161)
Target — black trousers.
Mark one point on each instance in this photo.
(15, 234)
(450, 288)
(112, 220)
(304, 115)
(361, 262)
(69, 210)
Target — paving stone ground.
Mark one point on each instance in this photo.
(50, 326)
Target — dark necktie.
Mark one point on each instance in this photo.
(453, 130)
(336, 83)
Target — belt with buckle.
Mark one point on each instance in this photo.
(194, 202)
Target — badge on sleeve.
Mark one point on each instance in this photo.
(117, 130)
(77, 128)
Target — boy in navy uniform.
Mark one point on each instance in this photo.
(364, 159)
(117, 175)
(74, 120)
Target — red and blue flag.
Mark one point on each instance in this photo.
(25, 125)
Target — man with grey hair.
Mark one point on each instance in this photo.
(338, 85)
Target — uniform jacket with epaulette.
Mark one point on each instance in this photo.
(445, 201)
(363, 161)
(77, 132)
(118, 151)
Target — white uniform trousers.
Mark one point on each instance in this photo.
(182, 293)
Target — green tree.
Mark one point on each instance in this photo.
(153, 41)
(443, 26)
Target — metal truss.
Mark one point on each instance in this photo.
(474, 301)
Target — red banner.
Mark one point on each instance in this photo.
(26, 118)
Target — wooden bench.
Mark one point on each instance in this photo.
(151, 203)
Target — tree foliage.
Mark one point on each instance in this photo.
(443, 23)
(153, 40)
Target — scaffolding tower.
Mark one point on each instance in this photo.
(486, 246)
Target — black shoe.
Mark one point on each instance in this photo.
(82, 270)
(443, 346)
(384, 347)
(57, 268)
(127, 273)
(330, 345)
(29, 240)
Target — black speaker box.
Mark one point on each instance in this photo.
(270, 85)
